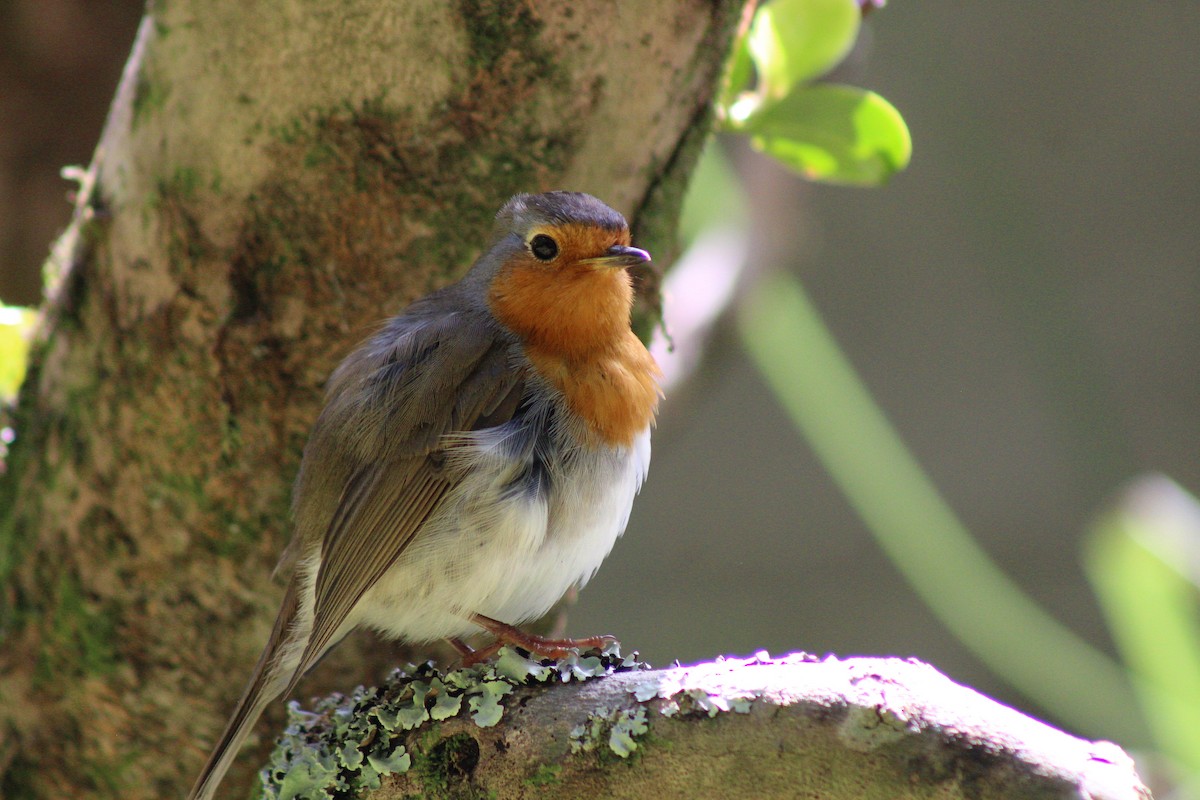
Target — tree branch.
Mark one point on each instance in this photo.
(788, 727)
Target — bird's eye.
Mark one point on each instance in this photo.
(543, 247)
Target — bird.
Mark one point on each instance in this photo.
(475, 458)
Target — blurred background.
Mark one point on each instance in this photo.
(1023, 303)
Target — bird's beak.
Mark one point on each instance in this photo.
(618, 257)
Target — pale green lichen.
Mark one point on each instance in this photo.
(485, 706)
(346, 744)
(445, 704)
(684, 694)
(629, 723)
(694, 700)
(701, 701)
(617, 726)
(511, 665)
(740, 705)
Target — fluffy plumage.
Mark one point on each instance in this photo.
(479, 455)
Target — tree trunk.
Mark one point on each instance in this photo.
(273, 180)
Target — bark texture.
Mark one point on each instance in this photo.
(789, 727)
(273, 180)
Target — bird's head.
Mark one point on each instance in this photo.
(556, 273)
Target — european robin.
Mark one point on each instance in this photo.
(475, 458)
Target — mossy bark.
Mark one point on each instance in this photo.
(795, 726)
(271, 183)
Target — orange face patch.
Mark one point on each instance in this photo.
(577, 240)
(564, 305)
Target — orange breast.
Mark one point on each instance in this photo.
(574, 323)
(615, 392)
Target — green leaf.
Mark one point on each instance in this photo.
(15, 325)
(797, 40)
(833, 133)
(1138, 555)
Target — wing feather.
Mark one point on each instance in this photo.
(413, 384)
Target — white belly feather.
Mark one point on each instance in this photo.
(509, 556)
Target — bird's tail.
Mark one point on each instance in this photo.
(275, 667)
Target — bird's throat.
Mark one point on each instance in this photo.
(576, 332)
(614, 392)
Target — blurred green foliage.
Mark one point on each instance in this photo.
(1143, 559)
(825, 132)
(922, 536)
(1146, 580)
(15, 325)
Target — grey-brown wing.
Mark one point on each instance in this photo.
(453, 378)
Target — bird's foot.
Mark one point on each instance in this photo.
(538, 645)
